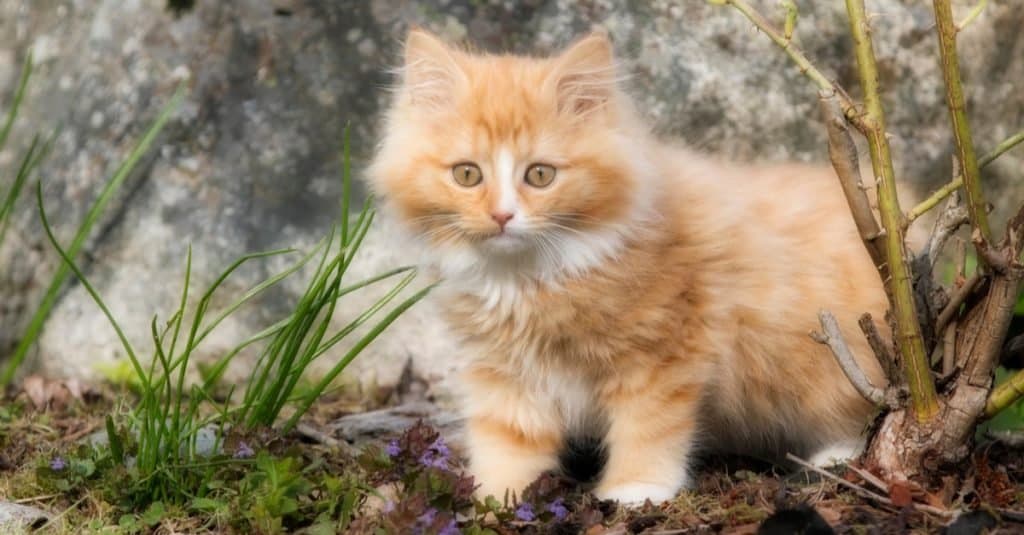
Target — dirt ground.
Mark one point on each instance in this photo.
(733, 495)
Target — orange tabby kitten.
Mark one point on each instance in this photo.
(608, 284)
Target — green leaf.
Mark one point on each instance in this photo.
(154, 513)
(116, 446)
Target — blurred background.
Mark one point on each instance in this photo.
(250, 160)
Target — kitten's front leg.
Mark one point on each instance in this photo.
(650, 435)
(512, 437)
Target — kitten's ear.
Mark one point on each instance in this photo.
(431, 73)
(584, 76)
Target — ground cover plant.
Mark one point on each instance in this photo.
(163, 453)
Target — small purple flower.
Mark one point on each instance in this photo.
(437, 455)
(427, 518)
(525, 512)
(243, 451)
(392, 449)
(440, 447)
(558, 509)
(58, 464)
(451, 528)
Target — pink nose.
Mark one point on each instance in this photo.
(501, 218)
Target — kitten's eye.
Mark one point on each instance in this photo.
(467, 174)
(540, 175)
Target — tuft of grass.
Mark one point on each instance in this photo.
(302, 338)
(171, 442)
(35, 325)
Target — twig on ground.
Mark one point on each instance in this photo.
(869, 477)
(833, 338)
(879, 348)
(318, 436)
(843, 154)
(865, 492)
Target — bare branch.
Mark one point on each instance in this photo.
(833, 338)
(1005, 394)
(946, 29)
(958, 178)
(798, 57)
(879, 348)
(948, 350)
(843, 154)
(973, 14)
(907, 333)
(957, 299)
(994, 258)
(953, 216)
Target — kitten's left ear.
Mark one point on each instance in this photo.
(584, 76)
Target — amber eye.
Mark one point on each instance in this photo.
(540, 175)
(467, 174)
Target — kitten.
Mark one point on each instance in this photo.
(606, 283)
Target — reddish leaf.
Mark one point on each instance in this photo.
(899, 493)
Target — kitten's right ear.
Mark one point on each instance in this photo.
(584, 76)
(431, 73)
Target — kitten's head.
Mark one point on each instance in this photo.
(511, 162)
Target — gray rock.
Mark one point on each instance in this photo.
(249, 162)
(17, 518)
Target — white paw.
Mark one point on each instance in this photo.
(836, 454)
(637, 493)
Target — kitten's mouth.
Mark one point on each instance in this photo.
(505, 242)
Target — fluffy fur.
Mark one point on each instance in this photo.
(650, 295)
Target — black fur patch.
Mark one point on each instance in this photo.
(583, 458)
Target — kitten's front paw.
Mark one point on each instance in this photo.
(636, 493)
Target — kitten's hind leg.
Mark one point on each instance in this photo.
(837, 453)
(649, 442)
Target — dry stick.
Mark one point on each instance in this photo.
(958, 182)
(879, 348)
(833, 338)
(958, 114)
(794, 52)
(959, 296)
(843, 154)
(908, 332)
(949, 350)
(953, 216)
(865, 492)
(869, 477)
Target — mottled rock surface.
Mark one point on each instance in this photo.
(249, 162)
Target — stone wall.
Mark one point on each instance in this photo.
(250, 161)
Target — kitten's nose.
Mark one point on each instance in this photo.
(501, 218)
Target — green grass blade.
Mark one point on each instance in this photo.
(352, 353)
(68, 261)
(50, 297)
(12, 114)
(29, 163)
(346, 183)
